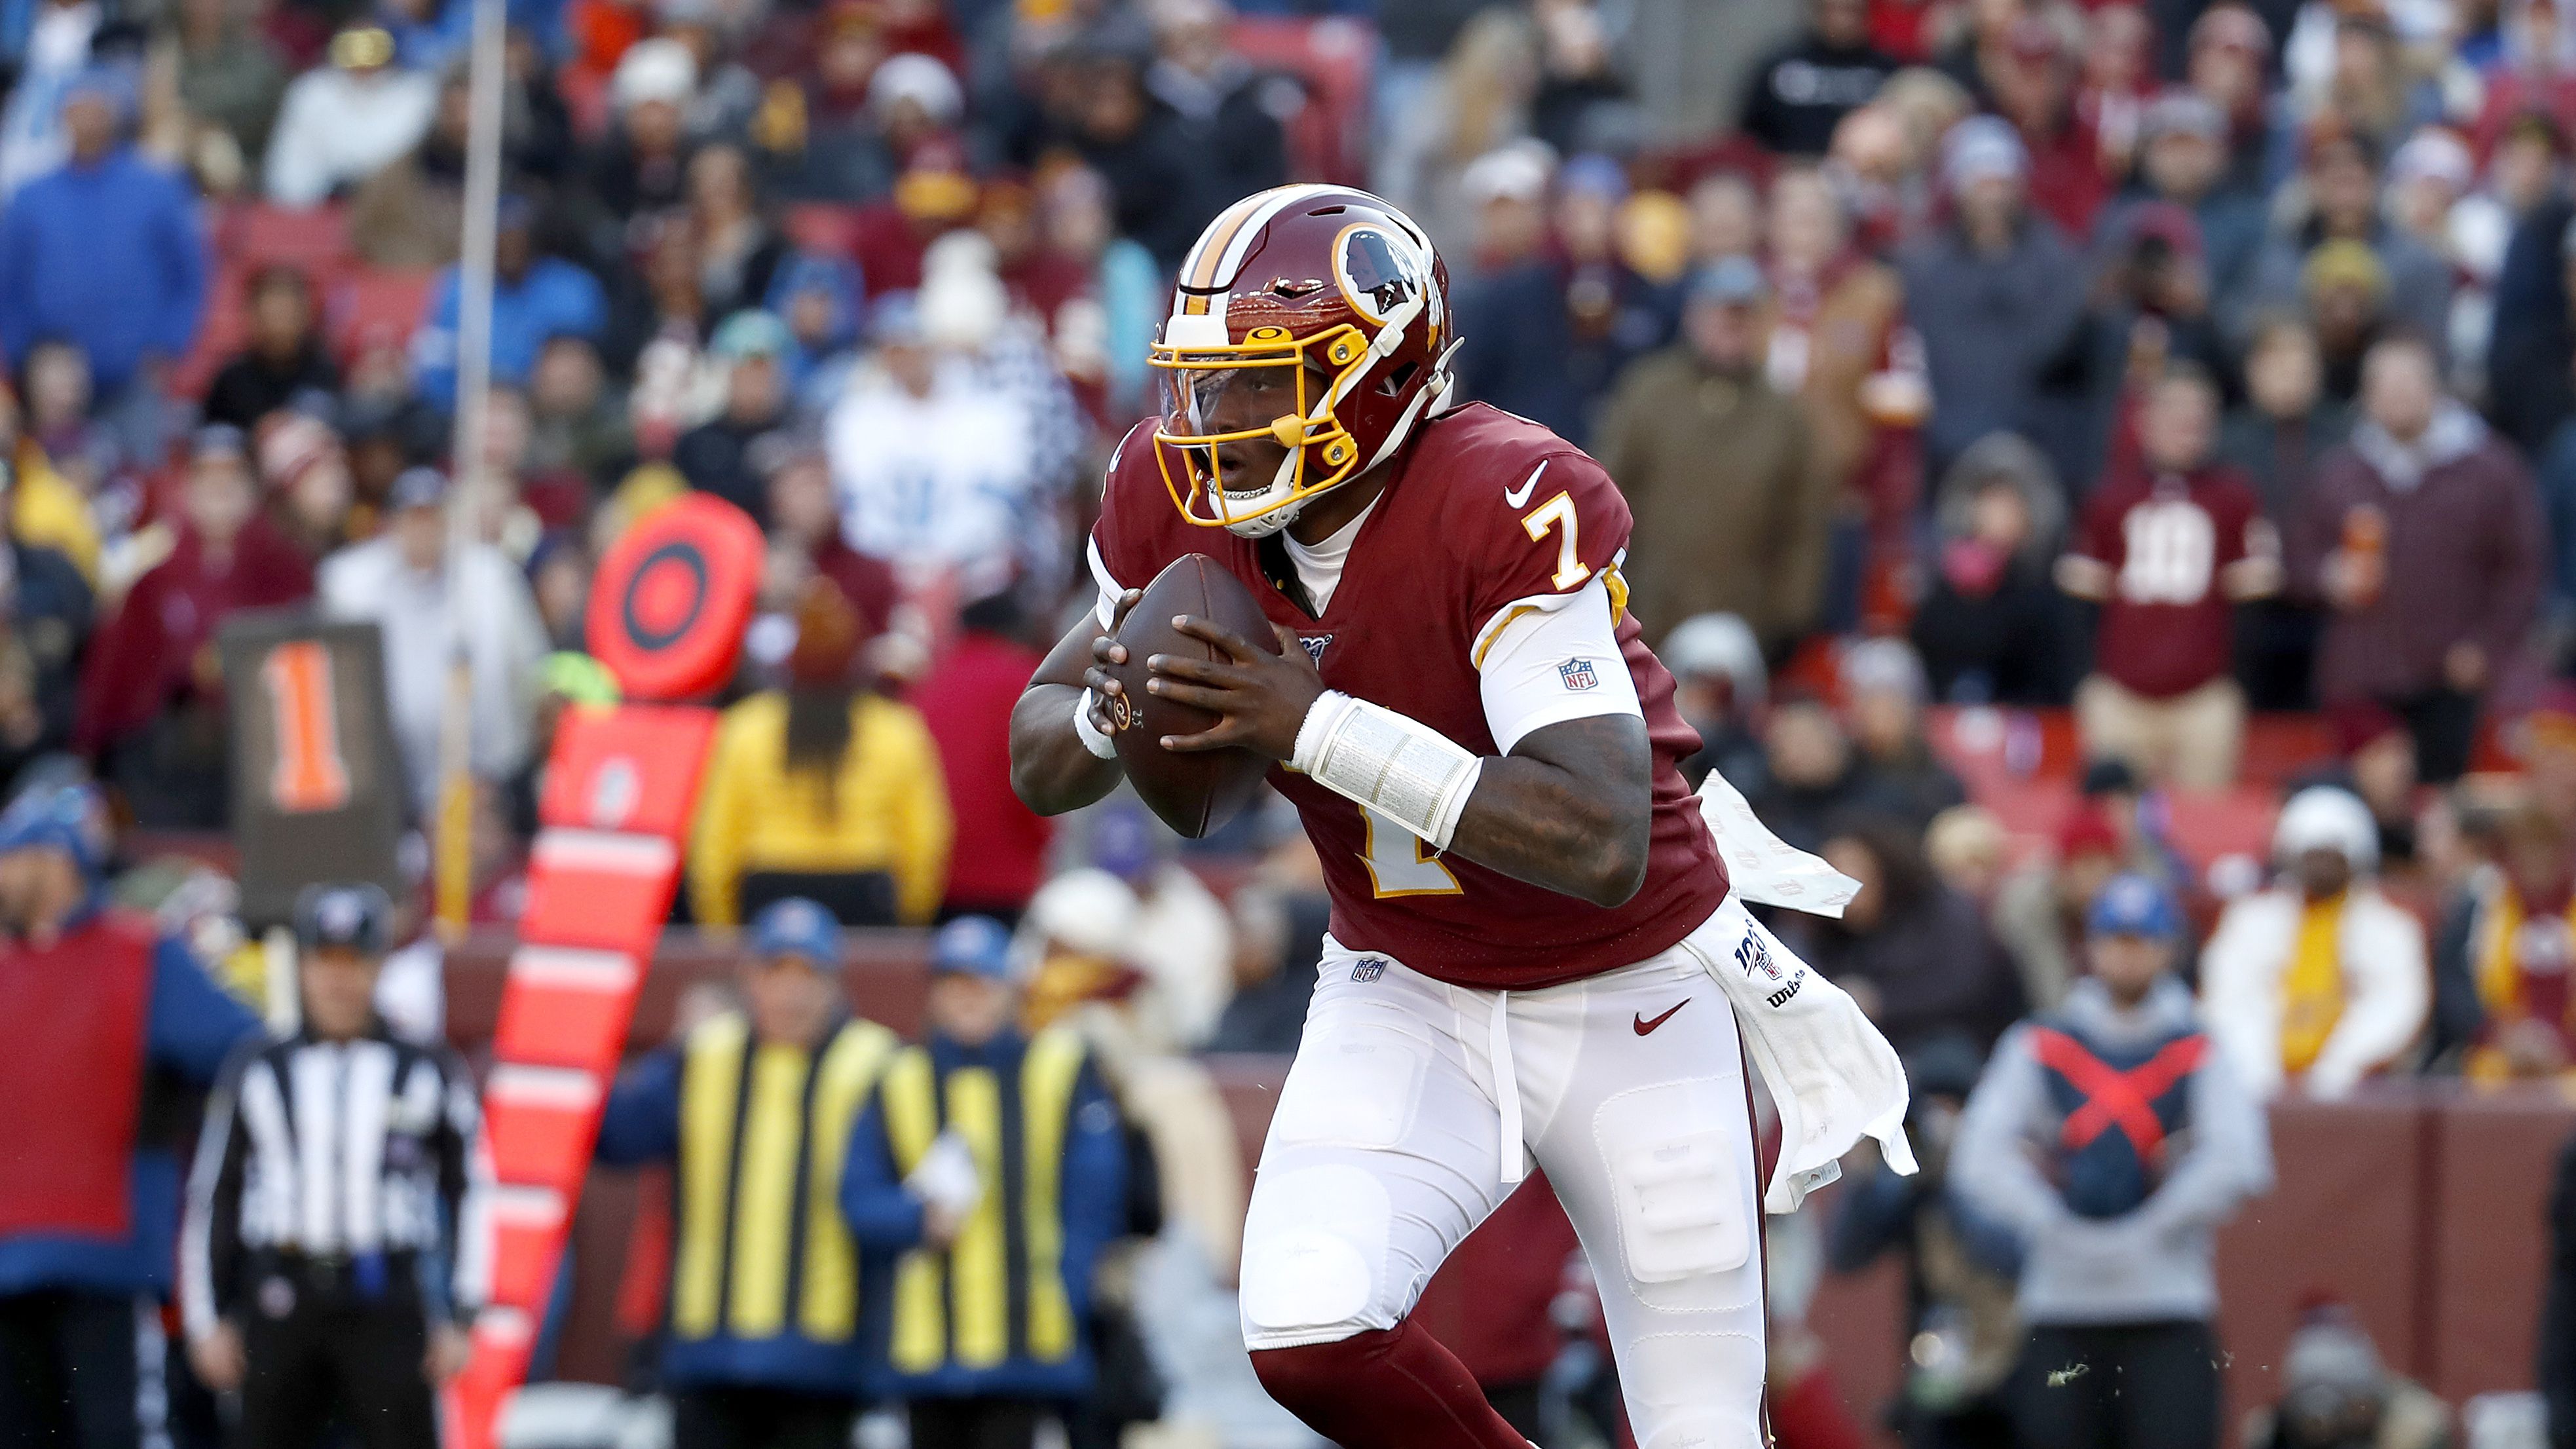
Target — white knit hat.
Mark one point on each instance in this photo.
(2324, 817)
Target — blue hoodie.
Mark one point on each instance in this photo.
(108, 256)
(553, 299)
(818, 370)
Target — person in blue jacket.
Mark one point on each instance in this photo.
(104, 252)
(992, 1162)
(535, 299)
(752, 1109)
(104, 1025)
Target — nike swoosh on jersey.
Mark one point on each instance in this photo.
(1644, 1026)
(1515, 497)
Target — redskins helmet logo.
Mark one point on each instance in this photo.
(1380, 270)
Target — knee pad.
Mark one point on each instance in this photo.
(1678, 1158)
(1314, 1247)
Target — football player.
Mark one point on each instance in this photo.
(1527, 905)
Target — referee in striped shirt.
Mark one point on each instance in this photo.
(319, 1271)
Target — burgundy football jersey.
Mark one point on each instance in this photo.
(1485, 509)
(2168, 545)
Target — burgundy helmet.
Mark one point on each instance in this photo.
(1344, 292)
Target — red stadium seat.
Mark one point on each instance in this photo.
(2207, 826)
(2281, 747)
(316, 240)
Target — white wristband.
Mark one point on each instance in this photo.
(1398, 767)
(1089, 733)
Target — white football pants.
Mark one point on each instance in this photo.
(1403, 1124)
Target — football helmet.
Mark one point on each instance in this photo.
(1327, 304)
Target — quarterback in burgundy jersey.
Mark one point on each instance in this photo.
(1533, 941)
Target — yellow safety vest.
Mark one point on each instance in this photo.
(956, 1304)
(764, 1129)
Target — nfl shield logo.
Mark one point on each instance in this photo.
(1577, 674)
(1369, 968)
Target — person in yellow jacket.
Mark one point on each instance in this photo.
(768, 1345)
(823, 789)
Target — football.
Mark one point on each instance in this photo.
(1194, 792)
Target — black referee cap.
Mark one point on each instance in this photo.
(358, 916)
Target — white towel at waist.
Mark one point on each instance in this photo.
(1833, 1077)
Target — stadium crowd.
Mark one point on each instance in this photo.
(2105, 477)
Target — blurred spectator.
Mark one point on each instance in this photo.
(1720, 688)
(822, 789)
(2337, 1394)
(1479, 103)
(750, 349)
(305, 478)
(933, 469)
(1515, 336)
(1996, 293)
(2502, 972)
(639, 170)
(575, 422)
(2183, 160)
(756, 1229)
(1839, 344)
(820, 298)
(151, 699)
(1613, 311)
(2030, 80)
(104, 1030)
(2168, 549)
(1883, 692)
(343, 122)
(916, 1183)
(1961, 1332)
(2321, 980)
(2112, 1141)
(966, 701)
(738, 250)
(50, 49)
(44, 508)
(1809, 779)
(2424, 537)
(1803, 90)
(1141, 147)
(103, 253)
(2275, 440)
(1123, 284)
(2228, 61)
(2039, 911)
(2529, 348)
(229, 78)
(1991, 627)
(2342, 192)
(1180, 936)
(1913, 952)
(534, 298)
(1731, 501)
(2375, 760)
(285, 357)
(1230, 114)
(411, 211)
(1968, 849)
(1278, 941)
(39, 660)
(433, 601)
(805, 542)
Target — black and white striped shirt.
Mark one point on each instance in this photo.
(333, 1150)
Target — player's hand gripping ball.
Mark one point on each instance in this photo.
(1198, 693)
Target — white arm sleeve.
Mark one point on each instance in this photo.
(1107, 608)
(1552, 659)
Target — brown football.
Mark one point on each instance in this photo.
(1194, 792)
